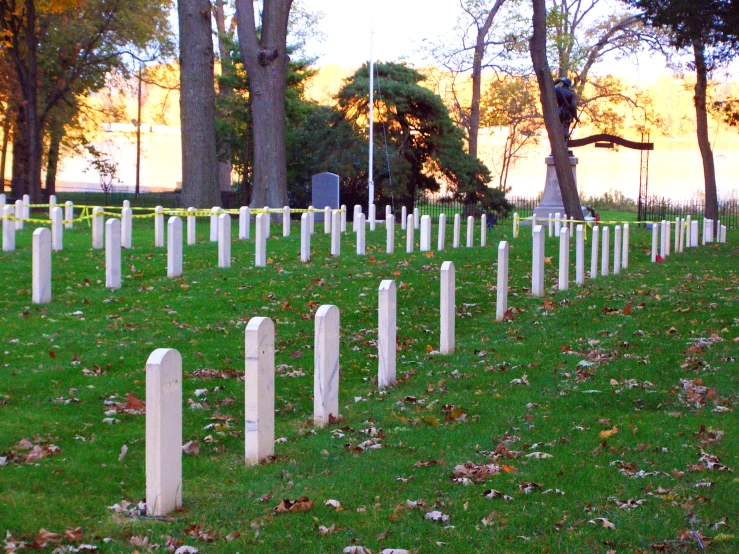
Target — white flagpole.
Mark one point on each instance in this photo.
(371, 182)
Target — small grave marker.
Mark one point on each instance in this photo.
(214, 212)
(390, 229)
(448, 307)
(409, 234)
(617, 250)
(285, 221)
(442, 232)
(98, 228)
(457, 230)
(606, 251)
(564, 258)
(8, 229)
(224, 240)
(594, 252)
(244, 222)
(403, 217)
(174, 247)
(159, 227)
(501, 294)
(580, 254)
(484, 229)
(260, 240)
(163, 432)
(41, 266)
(335, 233)
(304, 238)
(259, 390)
(537, 262)
(57, 229)
(386, 334)
(425, 244)
(69, 214)
(126, 227)
(361, 230)
(326, 365)
(113, 254)
(470, 231)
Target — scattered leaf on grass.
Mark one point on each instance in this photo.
(436, 516)
(334, 504)
(608, 433)
(492, 493)
(302, 504)
(602, 521)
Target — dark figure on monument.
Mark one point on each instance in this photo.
(566, 106)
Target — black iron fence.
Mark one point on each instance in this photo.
(435, 205)
(659, 208)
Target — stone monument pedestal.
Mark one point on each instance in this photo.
(551, 200)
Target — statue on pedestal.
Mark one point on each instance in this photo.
(566, 106)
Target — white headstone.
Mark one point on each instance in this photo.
(390, 228)
(57, 229)
(224, 240)
(113, 254)
(259, 388)
(416, 218)
(26, 206)
(126, 227)
(457, 230)
(501, 293)
(723, 233)
(705, 228)
(663, 239)
(163, 432)
(126, 204)
(409, 234)
(326, 365)
(68, 214)
(572, 226)
(551, 224)
(388, 212)
(343, 218)
(19, 214)
(326, 220)
(579, 255)
(564, 258)
(442, 232)
(52, 203)
(174, 247)
(484, 229)
(403, 217)
(668, 241)
(594, 252)
(2, 200)
(386, 334)
(8, 229)
(361, 230)
(191, 226)
(260, 240)
(425, 244)
(678, 234)
(470, 231)
(448, 307)
(606, 251)
(688, 231)
(98, 228)
(625, 248)
(267, 222)
(335, 233)
(159, 227)
(694, 234)
(286, 221)
(537, 262)
(214, 211)
(355, 219)
(655, 241)
(717, 229)
(617, 250)
(709, 230)
(372, 217)
(311, 219)
(41, 266)
(514, 223)
(557, 224)
(244, 222)
(304, 238)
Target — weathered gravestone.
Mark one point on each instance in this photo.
(501, 297)
(325, 192)
(41, 266)
(326, 366)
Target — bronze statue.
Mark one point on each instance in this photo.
(566, 106)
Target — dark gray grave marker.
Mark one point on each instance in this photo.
(325, 193)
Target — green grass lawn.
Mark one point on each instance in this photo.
(620, 383)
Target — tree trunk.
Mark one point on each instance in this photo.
(197, 106)
(701, 120)
(537, 46)
(52, 159)
(224, 91)
(4, 157)
(266, 62)
(30, 106)
(480, 46)
(19, 178)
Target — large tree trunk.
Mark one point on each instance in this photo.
(197, 106)
(701, 120)
(4, 156)
(52, 158)
(266, 62)
(537, 46)
(19, 178)
(29, 90)
(480, 46)
(224, 91)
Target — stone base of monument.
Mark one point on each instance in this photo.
(551, 200)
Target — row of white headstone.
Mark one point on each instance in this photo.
(686, 235)
(600, 248)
